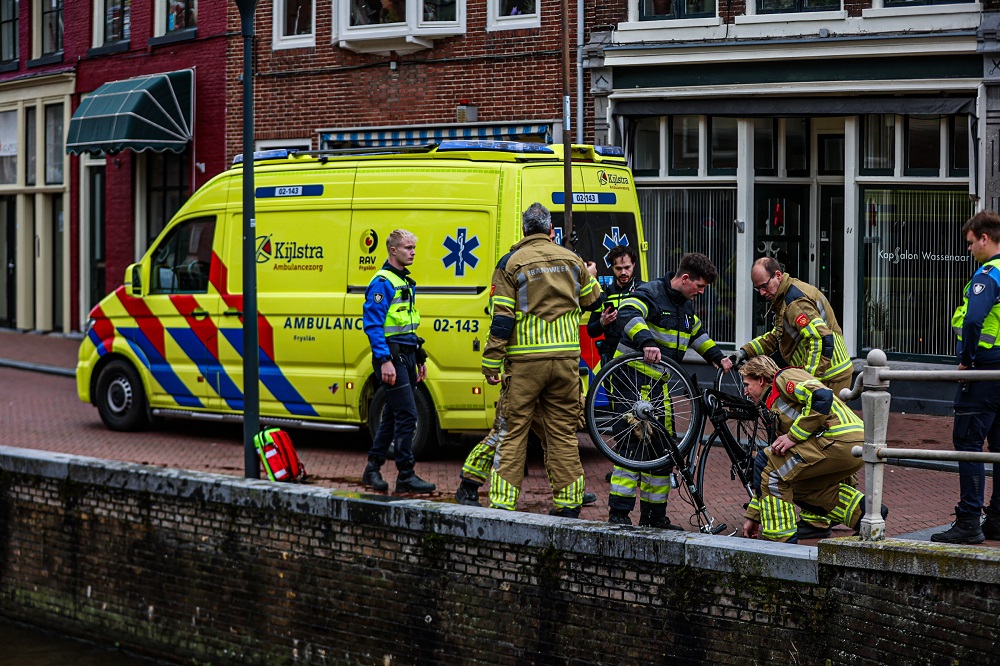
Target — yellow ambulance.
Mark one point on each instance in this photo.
(169, 342)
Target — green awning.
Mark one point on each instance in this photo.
(153, 112)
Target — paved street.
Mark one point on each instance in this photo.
(40, 410)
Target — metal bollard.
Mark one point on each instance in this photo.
(875, 412)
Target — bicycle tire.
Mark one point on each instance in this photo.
(626, 395)
(732, 383)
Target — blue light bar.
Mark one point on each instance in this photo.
(276, 154)
(500, 146)
(609, 151)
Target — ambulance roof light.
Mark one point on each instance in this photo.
(276, 154)
(609, 151)
(504, 146)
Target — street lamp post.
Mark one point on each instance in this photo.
(251, 359)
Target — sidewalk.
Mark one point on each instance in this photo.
(920, 501)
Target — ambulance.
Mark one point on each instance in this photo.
(168, 343)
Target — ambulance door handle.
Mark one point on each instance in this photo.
(199, 313)
(232, 312)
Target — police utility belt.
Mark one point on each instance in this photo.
(396, 349)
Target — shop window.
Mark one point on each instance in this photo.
(647, 147)
(723, 146)
(658, 10)
(915, 265)
(512, 14)
(678, 220)
(115, 20)
(8, 31)
(958, 144)
(8, 147)
(55, 144)
(684, 154)
(765, 147)
(922, 146)
(30, 145)
(51, 17)
(167, 188)
(797, 146)
(294, 24)
(878, 144)
(182, 260)
(792, 6)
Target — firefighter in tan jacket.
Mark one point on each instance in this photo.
(810, 459)
(539, 290)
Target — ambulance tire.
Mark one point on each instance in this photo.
(423, 437)
(120, 398)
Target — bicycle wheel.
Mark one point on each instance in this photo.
(635, 409)
(731, 383)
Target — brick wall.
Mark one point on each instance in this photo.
(214, 568)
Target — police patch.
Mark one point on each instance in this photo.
(377, 297)
(802, 320)
(978, 288)
(790, 387)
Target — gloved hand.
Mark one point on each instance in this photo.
(738, 357)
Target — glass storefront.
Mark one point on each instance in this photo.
(915, 265)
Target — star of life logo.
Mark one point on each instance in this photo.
(460, 251)
(612, 241)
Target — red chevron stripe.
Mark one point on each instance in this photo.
(204, 328)
(218, 276)
(150, 325)
(103, 328)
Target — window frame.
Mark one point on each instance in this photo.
(101, 8)
(495, 22)
(678, 12)
(15, 21)
(58, 147)
(211, 222)
(797, 9)
(877, 171)
(160, 33)
(183, 189)
(39, 13)
(952, 145)
(280, 41)
(710, 147)
(671, 171)
(921, 171)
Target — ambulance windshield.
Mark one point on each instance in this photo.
(597, 233)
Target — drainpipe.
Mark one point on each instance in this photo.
(579, 71)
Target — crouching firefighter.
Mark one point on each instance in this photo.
(809, 464)
(391, 320)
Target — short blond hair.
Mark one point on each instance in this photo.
(760, 367)
(398, 237)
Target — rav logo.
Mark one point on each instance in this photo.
(369, 241)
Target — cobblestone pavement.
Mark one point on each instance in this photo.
(40, 410)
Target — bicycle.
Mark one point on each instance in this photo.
(646, 416)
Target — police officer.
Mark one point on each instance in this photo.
(806, 334)
(811, 457)
(624, 263)
(391, 320)
(658, 318)
(538, 292)
(977, 404)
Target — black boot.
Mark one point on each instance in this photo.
(409, 482)
(806, 530)
(565, 513)
(372, 478)
(857, 525)
(619, 517)
(655, 515)
(589, 498)
(468, 493)
(991, 528)
(964, 530)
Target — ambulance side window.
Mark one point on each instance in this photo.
(182, 259)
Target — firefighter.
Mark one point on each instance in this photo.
(806, 334)
(659, 319)
(977, 404)
(476, 468)
(391, 320)
(807, 463)
(538, 292)
(624, 263)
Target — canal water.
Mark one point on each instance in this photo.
(27, 646)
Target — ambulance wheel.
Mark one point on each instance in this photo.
(120, 398)
(423, 437)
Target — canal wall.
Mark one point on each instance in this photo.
(205, 568)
